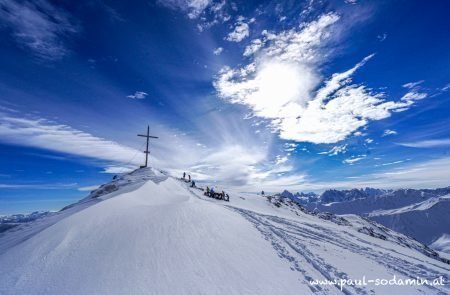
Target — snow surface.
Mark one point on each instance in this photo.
(148, 233)
(442, 244)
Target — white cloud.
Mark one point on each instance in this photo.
(392, 163)
(193, 8)
(49, 135)
(388, 132)
(336, 150)
(118, 169)
(382, 37)
(413, 95)
(44, 186)
(88, 188)
(353, 160)
(238, 171)
(254, 46)
(38, 26)
(428, 174)
(215, 13)
(412, 85)
(138, 95)
(218, 51)
(290, 147)
(428, 143)
(280, 160)
(283, 84)
(240, 32)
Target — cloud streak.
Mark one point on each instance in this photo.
(427, 143)
(43, 186)
(427, 174)
(49, 135)
(138, 95)
(39, 26)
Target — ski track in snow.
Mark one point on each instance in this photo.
(293, 239)
(288, 247)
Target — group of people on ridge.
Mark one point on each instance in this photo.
(189, 179)
(220, 196)
(209, 191)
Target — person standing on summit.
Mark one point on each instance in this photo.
(184, 175)
(189, 177)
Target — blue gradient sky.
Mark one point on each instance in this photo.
(303, 95)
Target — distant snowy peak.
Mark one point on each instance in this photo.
(10, 221)
(300, 197)
(421, 206)
(22, 218)
(333, 195)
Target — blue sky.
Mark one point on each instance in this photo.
(302, 95)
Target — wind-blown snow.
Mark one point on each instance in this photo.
(148, 233)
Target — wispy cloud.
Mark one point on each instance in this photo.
(39, 26)
(88, 188)
(118, 169)
(388, 132)
(218, 51)
(336, 150)
(414, 95)
(138, 95)
(412, 85)
(427, 174)
(254, 46)
(382, 37)
(50, 135)
(353, 160)
(43, 186)
(391, 163)
(240, 32)
(427, 143)
(283, 83)
(193, 8)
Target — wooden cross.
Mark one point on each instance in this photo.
(148, 136)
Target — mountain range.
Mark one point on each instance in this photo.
(423, 214)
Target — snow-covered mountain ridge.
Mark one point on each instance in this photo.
(422, 214)
(149, 233)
